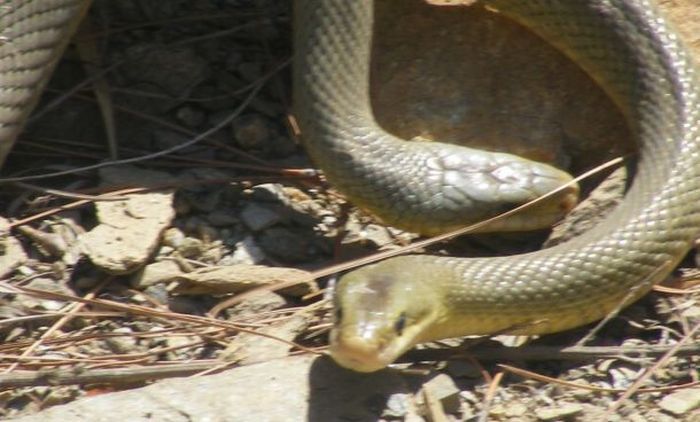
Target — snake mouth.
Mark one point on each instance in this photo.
(359, 354)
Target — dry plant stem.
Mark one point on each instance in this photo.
(167, 316)
(130, 190)
(9, 322)
(101, 376)
(674, 291)
(186, 331)
(50, 376)
(161, 153)
(543, 378)
(169, 21)
(488, 398)
(450, 235)
(74, 310)
(65, 194)
(218, 368)
(70, 206)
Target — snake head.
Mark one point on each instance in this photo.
(377, 317)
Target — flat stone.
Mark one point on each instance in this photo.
(563, 411)
(158, 272)
(682, 401)
(444, 389)
(129, 230)
(257, 304)
(238, 278)
(302, 388)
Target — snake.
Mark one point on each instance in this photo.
(384, 309)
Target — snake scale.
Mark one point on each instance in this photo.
(384, 309)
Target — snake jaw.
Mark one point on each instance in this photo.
(360, 353)
(370, 349)
(369, 337)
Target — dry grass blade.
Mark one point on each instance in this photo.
(490, 395)
(167, 315)
(75, 308)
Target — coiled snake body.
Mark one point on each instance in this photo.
(386, 308)
(626, 46)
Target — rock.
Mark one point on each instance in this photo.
(269, 192)
(191, 247)
(238, 278)
(515, 410)
(443, 388)
(291, 245)
(256, 304)
(185, 68)
(465, 369)
(252, 132)
(173, 237)
(258, 217)
(397, 406)
(129, 231)
(123, 344)
(302, 388)
(158, 272)
(12, 254)
(249, 348)
(681, 402)
(49, 285)
(561, 412)
(220, 218)
(247, 252)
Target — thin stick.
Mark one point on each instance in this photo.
(543, 378)
(75, 308)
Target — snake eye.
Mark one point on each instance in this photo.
(400, 323)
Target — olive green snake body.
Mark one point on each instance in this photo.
(381, 310)
(384, 309)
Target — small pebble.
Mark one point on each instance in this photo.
(252, 132)
(397, 406)
(562, 412)
(190, 117)
(247, 252)
(515, 410)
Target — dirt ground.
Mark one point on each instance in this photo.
(113, 277)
